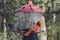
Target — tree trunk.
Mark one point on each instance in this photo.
(43, 35)
(5, 30)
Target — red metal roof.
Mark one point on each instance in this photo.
(29, 7)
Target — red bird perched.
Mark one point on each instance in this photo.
(33, 28)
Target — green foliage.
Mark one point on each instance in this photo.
(23, 2)
(53, 28)
(11, 5)
(10, 17)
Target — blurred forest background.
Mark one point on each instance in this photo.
(52, 17)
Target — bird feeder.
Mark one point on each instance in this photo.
(28, 15)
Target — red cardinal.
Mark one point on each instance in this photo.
(33, 28)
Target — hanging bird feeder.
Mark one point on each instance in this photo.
(28, 15)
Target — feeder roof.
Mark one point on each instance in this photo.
(29, 7)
